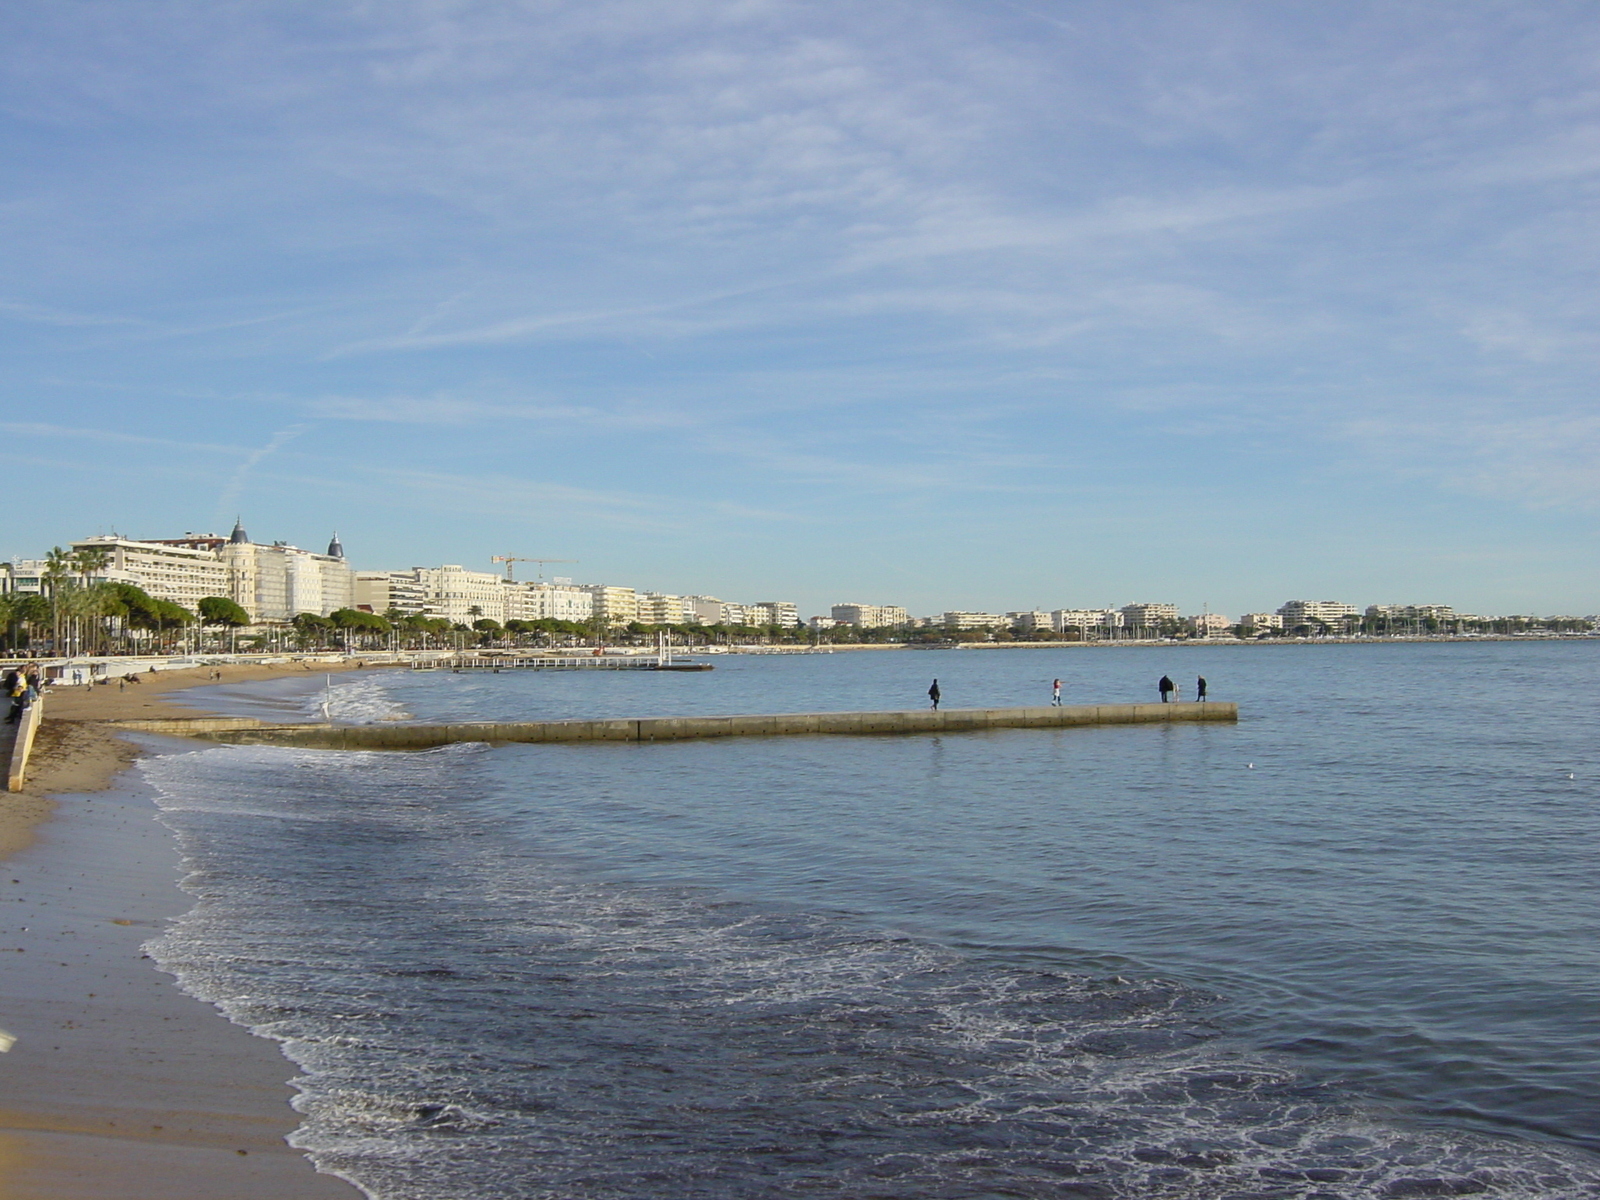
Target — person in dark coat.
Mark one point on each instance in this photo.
(1167, 688)
(1200, 688)
(15, 688)
(933, 694)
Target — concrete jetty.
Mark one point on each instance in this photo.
(669, 729)
(16, 763)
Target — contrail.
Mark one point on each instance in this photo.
(230, 494)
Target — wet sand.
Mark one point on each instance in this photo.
(120, 1086)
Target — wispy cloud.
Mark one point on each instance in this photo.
(40, 314)
(40, 430)
(782, 257)
(230, 494)
(1538, 460)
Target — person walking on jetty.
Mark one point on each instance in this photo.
(933, 694)
(1200, 689)
(1167, 688)
(1055, 694)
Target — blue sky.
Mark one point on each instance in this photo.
(943, 303)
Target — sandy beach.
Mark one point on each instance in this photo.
(120, 1085)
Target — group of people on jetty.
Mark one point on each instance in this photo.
(1165, 686)
(21, 687)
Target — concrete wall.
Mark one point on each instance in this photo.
(663, 729)
(22, 745)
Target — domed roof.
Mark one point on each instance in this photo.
(238, 537)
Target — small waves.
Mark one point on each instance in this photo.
(362, 701)
(476, 1019)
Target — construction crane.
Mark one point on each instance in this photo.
(508, 559)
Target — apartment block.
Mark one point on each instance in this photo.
(870, 616)
(1261, 621)
(1209, 624)
(702, 610)
(1412, 612)
(613, 605)
(401, 592)
(1149, 614)
(973, 620)
(658, 608)
(1314, 612)
(1085, 619)
(180, 574)
(1030, 621)
(774, 612)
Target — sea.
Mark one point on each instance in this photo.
(1344, 948)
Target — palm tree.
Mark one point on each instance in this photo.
(57, 574)
(88, 560)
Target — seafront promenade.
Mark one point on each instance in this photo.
(396, 736)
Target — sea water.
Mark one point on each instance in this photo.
(1344, 948)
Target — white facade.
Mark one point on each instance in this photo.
(448, 591)
(774, 612)
(548, 602)
(1314, 612)
(1085, 619)
(25, 576)
(613, 605)
(180, 574)
(659, 608)
(973, 620)
(279, 582)
(1149, 614)
(1412, 612)
(870, 616)
(1030, 621)
(462, 596)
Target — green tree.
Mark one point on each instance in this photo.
(219, 610)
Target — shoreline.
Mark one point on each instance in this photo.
(121, 1086)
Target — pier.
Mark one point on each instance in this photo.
(558, 662)
(670, 729)
(21, 745)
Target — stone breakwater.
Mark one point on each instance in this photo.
(667, 729)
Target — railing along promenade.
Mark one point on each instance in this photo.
(396, 736)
